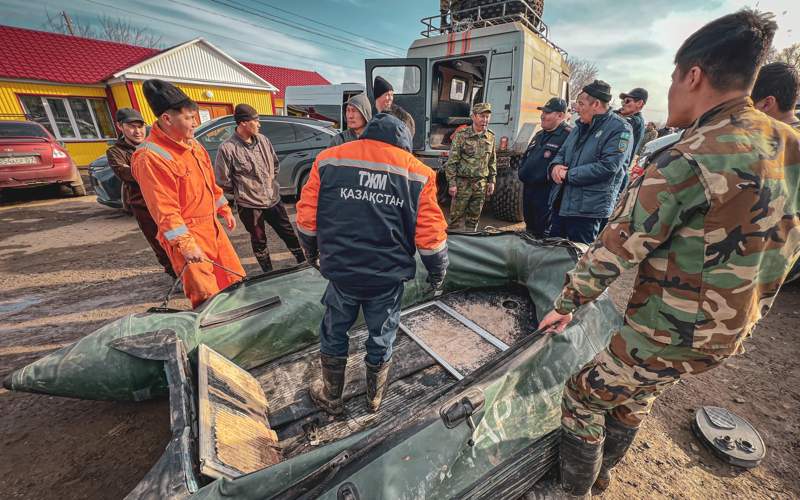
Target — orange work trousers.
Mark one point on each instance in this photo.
(202, 280)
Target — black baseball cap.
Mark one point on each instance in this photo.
(554, 105)
(128, 115)
(637, 94)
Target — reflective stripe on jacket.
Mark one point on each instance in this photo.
(368, 206)
(178, 185)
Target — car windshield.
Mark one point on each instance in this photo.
(16, 129)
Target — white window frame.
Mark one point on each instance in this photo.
(71, 116)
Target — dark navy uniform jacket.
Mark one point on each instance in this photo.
(533, 170)
(369, 206)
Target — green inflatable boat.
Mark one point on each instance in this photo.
(472, 409)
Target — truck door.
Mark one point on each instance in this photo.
(498, 88)
(409, 78)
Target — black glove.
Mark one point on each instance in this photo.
(436, 281)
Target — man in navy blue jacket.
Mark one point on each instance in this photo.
(533, 171)
(590, 168)
(368, 207)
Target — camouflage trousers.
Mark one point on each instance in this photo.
(623, 381)
(467, 203)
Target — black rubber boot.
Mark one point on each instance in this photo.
(377, 379)
(619, 438)
(327, 391)
(299, 256)
(579, 463)
(265, 262)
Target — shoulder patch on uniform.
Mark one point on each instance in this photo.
(625, 135)
(623, 145)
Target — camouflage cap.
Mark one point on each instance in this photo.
(481, 107)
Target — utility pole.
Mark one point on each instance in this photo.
(68, 22)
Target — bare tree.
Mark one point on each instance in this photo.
(789, 55)
(581, 73)
(119, 30)
(107, 28)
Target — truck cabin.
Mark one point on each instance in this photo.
(456, 85)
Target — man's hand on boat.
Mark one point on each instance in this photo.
(555, 322)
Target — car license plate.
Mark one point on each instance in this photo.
(19, 160)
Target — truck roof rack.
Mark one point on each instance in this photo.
(491, 14)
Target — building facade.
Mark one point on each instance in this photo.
(73, 85)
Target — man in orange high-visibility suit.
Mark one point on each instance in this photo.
(178, 185)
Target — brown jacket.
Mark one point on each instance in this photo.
(119, 159)
(248, 171)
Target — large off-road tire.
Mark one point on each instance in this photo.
(507, 199)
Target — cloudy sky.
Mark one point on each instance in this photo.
(632, 42)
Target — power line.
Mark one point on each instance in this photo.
(240, 20)
(290, 24)
(275, 7)
(192, 28)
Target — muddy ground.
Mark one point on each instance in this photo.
(68, 266)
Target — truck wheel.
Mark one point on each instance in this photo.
(507, 198)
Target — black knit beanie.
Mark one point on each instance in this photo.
(163, 96)
(244, 112)
(381, 87)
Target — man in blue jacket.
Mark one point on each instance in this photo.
(533, 171)
(590, 168)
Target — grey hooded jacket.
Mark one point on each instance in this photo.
(361, 103)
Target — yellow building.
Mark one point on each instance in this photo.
(73, 86)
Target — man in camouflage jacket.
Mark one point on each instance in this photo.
(714, 227)
(471, 169)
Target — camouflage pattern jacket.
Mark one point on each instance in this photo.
(472, 155)
(714, 226)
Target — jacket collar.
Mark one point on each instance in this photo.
(735, 105)
(163, 139)
(123, 144)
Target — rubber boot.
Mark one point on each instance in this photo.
(377, 379)
(299, 256)
(265, 262)
(327, 392)
(619, 438)
(579, 463)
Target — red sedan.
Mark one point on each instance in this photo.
(30, 156)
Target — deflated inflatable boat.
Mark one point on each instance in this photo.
(472, 410)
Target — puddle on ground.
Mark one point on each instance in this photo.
(18, 304)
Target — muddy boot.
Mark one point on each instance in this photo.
(299, 256)
(265, 262)
(579, 463)
(549, 488)
(619, 438)
(377, 379)
(327, 392)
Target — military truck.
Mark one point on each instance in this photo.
(497, 52)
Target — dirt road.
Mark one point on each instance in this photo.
(68, 266)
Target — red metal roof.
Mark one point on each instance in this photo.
(284, 77)
(39, 55)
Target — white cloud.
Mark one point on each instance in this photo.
(651, 34)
